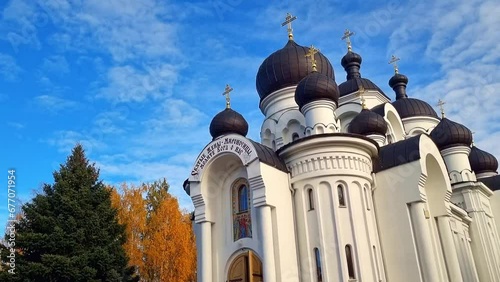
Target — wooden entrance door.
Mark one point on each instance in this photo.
(245, 268)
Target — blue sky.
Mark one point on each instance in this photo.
(137, 82)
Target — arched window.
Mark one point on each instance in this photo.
(350, 263)
(242, 217)
(295, 136)
(319, 272)
(310, 197)
(340, 191)
(242, 198)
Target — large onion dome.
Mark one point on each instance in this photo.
(450, 134)
(481, 161)
(286, 67)
(352, 63)
(316, 86)
(228, 121)
(368, 123)
(408, 107)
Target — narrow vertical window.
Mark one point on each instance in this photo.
(310, 197)
(350, 263)
(295, 136)
(242, 218)
(340, 191)
(367, 199)
(243, 198)
(319, 272)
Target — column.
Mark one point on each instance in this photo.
(205, 273)
(423, 239)
(450, 252)
(267, 244)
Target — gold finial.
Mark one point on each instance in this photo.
(440, 104)
(226, 92)
(288, 22)
(347, 38)
(394, 61)
(360, 94)
(310, 53)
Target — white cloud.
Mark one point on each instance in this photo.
(56, 64)
(129, 84)
(53, 103)
(9, 69)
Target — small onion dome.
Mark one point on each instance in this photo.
(408, 107)
(450, 134)
(316, 86)
(287, 66)
(481, 161)
(368, 123)
(352, 63)
(228, 121)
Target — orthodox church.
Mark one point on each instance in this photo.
(344, 185)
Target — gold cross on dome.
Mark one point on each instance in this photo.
(361, 96)
(440, 104)
(394, 61)
(347, 38)
(288, 22)
(226, 92)
(310, 53)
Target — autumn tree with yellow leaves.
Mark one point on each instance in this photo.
(160, 238)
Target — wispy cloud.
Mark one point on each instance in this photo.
(54, 104)
(9, 69)
(130, 84)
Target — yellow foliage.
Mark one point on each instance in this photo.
(160, 241)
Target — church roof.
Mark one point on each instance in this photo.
(368, 122)
(316, 86)
(482, 161)
(408, 107)
(399, 153)
(268, 156)
(286, 67)
(355, 84)
(449, 134)
(493, 182)
(228, 121)
(411, 107)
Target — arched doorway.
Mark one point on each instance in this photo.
(246, 267)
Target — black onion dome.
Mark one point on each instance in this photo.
(352, 63)
(408, 107)
(367, 123)
(450, 134)
(354, 84)
(316, 86)
(411, 107)
(228, 121)
(481, 161)
(287, 66)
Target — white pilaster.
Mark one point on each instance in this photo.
(450, 252)
(205, 271)
(422, 233)
(268, 264)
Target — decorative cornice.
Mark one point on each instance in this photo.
(455, 150)
(276, 97)
(323, 103)
(345, 162)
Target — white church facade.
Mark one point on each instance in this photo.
(344, 185)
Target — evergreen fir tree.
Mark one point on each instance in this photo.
(70, 232)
